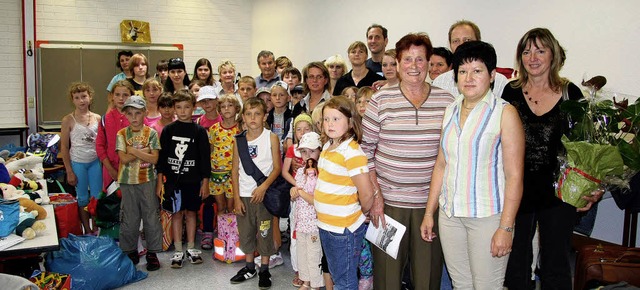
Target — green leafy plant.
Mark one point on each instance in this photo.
(606, 122)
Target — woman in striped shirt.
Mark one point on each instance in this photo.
(478, 175)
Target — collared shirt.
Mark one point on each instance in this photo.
(473, 180)
(401, 142)
(305, 101)
(336, 196)
(445, 81)
(261, 82)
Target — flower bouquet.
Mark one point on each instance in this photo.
(602, 147)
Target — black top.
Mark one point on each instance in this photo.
(542, 146)
(347, 81)
(189, 141)
(376, 67)
(136, 86)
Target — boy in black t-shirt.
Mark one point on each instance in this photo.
(184, 162)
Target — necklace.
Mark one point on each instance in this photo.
(87, 116)
(526, 93)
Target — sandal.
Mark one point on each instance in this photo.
(207, 241)
(296, 281)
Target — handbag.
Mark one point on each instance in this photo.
(9, 216)
(608, 264)
(277, 199)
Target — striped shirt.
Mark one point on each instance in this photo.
(473, 183)
(401, 143)
(137, 171)
(336, 197)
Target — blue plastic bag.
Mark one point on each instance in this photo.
(93, 263)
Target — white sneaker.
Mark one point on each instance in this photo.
(177, 259)
(194, 256)
(274, 260)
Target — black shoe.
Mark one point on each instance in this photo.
(134, 257)
(264, 280)
(152, 262)
(243, 275)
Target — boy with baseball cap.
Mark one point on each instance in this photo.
(138, 146)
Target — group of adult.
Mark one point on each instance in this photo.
(449, 161)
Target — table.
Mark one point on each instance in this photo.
(24, 257)
(15, 129)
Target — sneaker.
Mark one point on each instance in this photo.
(264, 280)
(243, 275)
(194, 256)
(177, 259)
(134, 257)
(152, 262)
(207, 241)
(274, 260)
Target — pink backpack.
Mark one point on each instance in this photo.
(227, 244)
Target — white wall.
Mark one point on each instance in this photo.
(11, 66)
(214, 29)
(600, 36)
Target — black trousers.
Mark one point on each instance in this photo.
(555, 224)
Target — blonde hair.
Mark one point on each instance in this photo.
(316, 117)
(229, 98)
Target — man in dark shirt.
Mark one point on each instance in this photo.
(376, 42)
(268, 75)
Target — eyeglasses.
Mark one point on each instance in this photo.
(316, 78)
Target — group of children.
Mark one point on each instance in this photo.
(163, 156)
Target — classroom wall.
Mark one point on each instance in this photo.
(214, 29)
(11, 66)
(599, 36)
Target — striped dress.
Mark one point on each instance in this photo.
(335, 196)
(474, 180)
(401, 142)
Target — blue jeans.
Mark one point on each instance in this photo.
(343, 255)
(89, 177)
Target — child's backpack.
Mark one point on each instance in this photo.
(227, 244)
(45, 145)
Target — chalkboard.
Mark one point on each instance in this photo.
(60, 64)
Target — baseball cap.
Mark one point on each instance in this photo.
(283, 85)
(263, 90)
(297, 89)
(310, 140)
(135, 101)
(207, 92)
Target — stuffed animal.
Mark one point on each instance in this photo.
(10, 192)
(20, 181)
(30, 205)
(34, 163)
(30, 224)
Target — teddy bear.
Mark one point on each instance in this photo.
(30, 220)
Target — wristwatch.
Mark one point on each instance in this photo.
(507, 229)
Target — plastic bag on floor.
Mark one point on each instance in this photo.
(93, 262)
